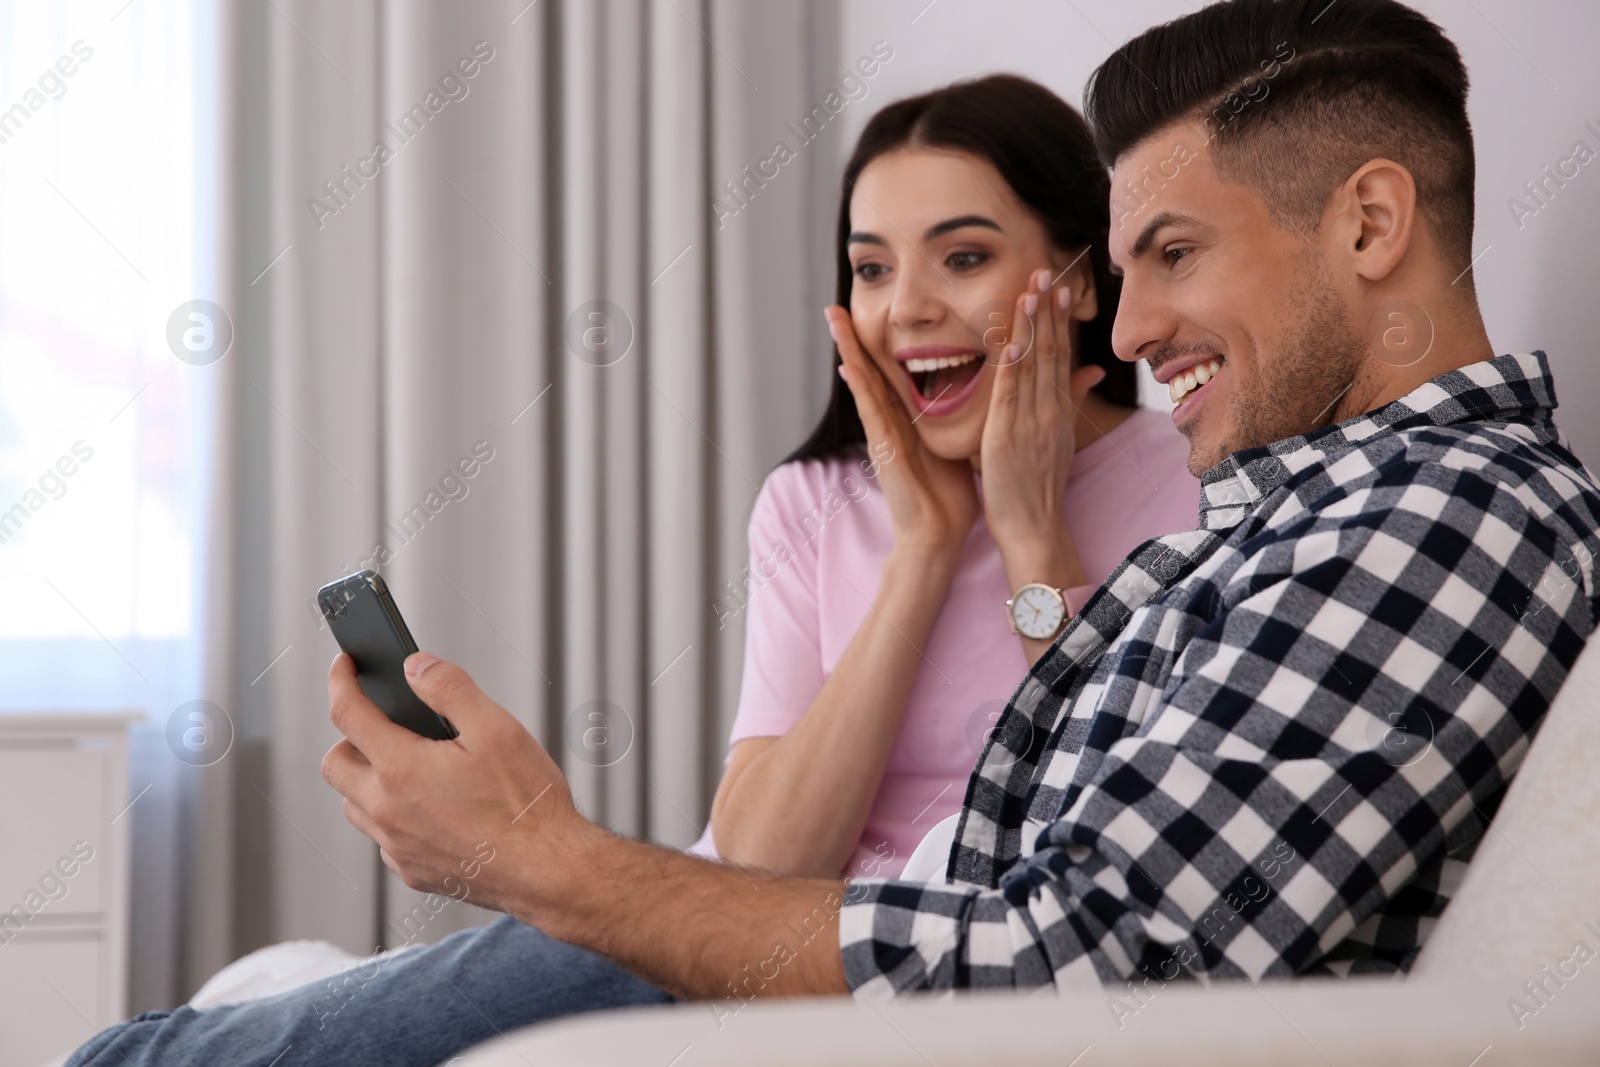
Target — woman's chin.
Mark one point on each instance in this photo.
(959, 434)
(961, 443)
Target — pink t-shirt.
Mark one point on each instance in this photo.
(819, 534)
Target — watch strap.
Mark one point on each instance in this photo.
(1076, 597)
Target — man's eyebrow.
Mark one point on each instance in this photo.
(1164, 219)
(1147, 236)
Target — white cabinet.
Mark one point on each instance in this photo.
(63, 880)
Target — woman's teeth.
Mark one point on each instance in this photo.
(934, 376)
(1192, 379)
(916, 366)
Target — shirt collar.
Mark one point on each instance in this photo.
(1508, 387)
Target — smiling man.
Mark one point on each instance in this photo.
(1261, 748)
(1309, 259)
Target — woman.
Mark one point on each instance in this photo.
(981, 466)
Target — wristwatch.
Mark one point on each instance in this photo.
(1038, 611)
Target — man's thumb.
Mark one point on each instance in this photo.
(444, 687)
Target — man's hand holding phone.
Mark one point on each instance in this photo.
(430, 804)
(449, 783)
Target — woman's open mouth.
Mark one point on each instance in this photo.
(941, 378)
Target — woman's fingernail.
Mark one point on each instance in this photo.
(1042, 282)
(418, 662)
(1012, 353)
(842, 375)
(1030, 303)
(1063, 298)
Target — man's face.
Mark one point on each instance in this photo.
(1214, 290)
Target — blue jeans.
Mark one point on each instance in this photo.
(415, 1009)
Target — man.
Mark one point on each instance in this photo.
(1266, 747)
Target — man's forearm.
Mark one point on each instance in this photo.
(699, 930)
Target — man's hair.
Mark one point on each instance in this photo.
(1295, 95)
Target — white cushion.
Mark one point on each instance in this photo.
(1534, 882)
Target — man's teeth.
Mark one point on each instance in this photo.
(1192, 379)
(917, 366)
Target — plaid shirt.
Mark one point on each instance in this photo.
(1269, 746)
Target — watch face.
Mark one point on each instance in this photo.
(1037, 611)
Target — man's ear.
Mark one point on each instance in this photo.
(1375, 218)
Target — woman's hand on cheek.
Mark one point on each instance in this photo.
(1030, 435)
(476, 817)
(933, 501)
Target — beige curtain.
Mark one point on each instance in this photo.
(530, 284)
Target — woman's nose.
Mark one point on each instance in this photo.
(916, 301)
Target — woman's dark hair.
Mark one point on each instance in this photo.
(1042, 148)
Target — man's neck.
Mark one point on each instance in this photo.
(1453, 335)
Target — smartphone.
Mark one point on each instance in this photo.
(361, 613)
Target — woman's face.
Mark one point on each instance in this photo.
(940, 248)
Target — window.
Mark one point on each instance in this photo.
(103, 203)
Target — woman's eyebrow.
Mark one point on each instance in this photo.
(957, 223)
(935, 230)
